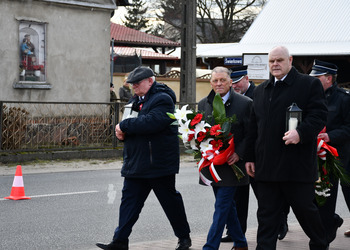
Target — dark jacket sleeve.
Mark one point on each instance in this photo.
(153, 121)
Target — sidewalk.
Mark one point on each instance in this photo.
(295, 240)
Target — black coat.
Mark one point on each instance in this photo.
(240, 106)
(250, 90)
(151, 145)
(338, 122)
(275, 161)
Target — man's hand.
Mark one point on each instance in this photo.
(233, 159)
(291, 137)
(250, 168)
(323, 136)
(119, 133)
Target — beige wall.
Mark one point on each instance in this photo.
(202, 86)
(77, 51)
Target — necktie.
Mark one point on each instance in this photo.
(278, 82)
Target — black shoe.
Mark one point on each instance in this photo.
(184, 244)
(283, 231)
(338, 221)
(226, 238)
(113, 246)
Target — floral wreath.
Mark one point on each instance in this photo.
(328, 163)
(211, 145)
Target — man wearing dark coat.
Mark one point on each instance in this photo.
(241, 85)
(283, 161)
(337, 134)
(151, 159)
(224, 190)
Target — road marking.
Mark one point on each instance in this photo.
(60, 194)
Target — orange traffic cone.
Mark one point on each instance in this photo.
(17, 191)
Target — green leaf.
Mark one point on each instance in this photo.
(238, 172)
(219, 112)
(226, 127)
(172, 116)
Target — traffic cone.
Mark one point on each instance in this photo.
(17, 191)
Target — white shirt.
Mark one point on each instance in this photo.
(225, 97)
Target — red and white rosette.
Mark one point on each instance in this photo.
(211, 158)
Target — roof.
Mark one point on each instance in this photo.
(314, 27)
(105, 4)
(129, 37)
(145, 54)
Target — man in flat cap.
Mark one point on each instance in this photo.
(151, 159)
(337, 135)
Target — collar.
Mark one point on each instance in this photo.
(287, 79)
(225, 97)
(247, 89)
(330, 90)
(282, 79)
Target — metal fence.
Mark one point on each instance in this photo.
(35, 126)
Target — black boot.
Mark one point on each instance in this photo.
(284, 227)
(184, 244)
(114, 245)
(338, 221)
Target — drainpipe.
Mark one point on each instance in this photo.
(203, 60)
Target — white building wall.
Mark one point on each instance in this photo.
(77, 51)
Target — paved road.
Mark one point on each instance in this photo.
(75, 209)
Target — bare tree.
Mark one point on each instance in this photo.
(218, 21)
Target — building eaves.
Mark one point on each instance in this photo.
(144, 53)
(129, 37)
(101, 4)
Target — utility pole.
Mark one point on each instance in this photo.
(188, 52)
(112, 60)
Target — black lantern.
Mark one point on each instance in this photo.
(293, 117)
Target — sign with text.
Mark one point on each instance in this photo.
(233, 61)
(258, 65)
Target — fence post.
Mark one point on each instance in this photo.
(115, 122)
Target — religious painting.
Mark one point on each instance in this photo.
(32, 44)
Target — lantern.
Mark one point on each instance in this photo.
(293, 117)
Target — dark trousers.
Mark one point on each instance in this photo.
(346, 187)
(327, 211)
(272, 197)
(346, 193)
(242, 201)
(134, 194)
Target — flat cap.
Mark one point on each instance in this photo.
(138, 74)
(323, 68)
(237, 73)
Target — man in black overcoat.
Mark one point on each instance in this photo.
(337, 134)
(283, 160)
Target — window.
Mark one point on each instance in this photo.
(32, 46)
